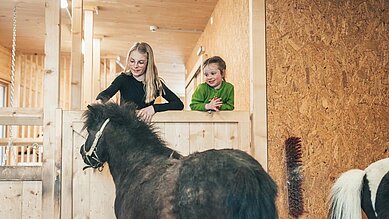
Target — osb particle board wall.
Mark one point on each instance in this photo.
(328, 83)
(228, 38)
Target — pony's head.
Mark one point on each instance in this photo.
(99, 120)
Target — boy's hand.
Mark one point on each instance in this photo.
(214, 104)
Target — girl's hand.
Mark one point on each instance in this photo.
(98, 101)
(146, 113)
(214, 104)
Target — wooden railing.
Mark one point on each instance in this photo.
(21, 151)
(24, 147)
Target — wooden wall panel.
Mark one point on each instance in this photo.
(200, 137)
(225, 135)
(10, 194)
(21, 199)
(327, 81)
(228, 36)
(5, 63)
(177, 135)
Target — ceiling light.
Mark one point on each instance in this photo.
(153, 28)
(83, 46)
(64, 4)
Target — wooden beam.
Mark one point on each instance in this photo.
(112, 76)
(258, 102)
(96, 78)
(88, 59)
(21, 116)
(50, 168)
(76, 54)
(192, 74)
(19, 173)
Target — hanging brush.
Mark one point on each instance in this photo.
(294, 176)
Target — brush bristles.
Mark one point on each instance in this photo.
(294, 181)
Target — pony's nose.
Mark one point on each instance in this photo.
(82, 152)
(82, 149)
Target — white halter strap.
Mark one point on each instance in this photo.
(97, 137)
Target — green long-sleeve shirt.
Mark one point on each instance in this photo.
(204, 93)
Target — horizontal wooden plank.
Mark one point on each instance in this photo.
(21, 116)
(21, 141)
(203, 117)
(186, 116)
(18, 173)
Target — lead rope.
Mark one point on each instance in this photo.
(10, 149)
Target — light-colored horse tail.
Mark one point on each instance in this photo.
(345, 197)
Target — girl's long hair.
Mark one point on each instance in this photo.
(152, 84)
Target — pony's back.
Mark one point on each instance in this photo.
(224, 184)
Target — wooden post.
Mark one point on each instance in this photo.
(112, 76)
(51, 144)
(76, 55)
(258, 103)
(112, 71)
(88, 58)
(96, 68)
(104, 74)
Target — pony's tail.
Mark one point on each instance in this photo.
(345, 197)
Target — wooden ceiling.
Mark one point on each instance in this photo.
(119, 23)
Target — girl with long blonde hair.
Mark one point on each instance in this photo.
(141, 84)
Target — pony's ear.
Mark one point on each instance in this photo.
(94, 111)
(91, 109)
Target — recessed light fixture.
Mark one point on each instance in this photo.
(153, 28)
(64, 4)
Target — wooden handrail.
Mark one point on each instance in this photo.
(201, 117)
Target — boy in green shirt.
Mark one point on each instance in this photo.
(215, 94)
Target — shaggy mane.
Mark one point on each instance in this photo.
(123, 115)
(124, 118)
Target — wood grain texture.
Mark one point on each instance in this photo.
(328, 84)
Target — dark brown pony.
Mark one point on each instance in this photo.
(154, 181)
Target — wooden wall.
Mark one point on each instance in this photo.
(5, 63)
(21, 199)
(328, 83)
(228, 36)
(29, 77)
